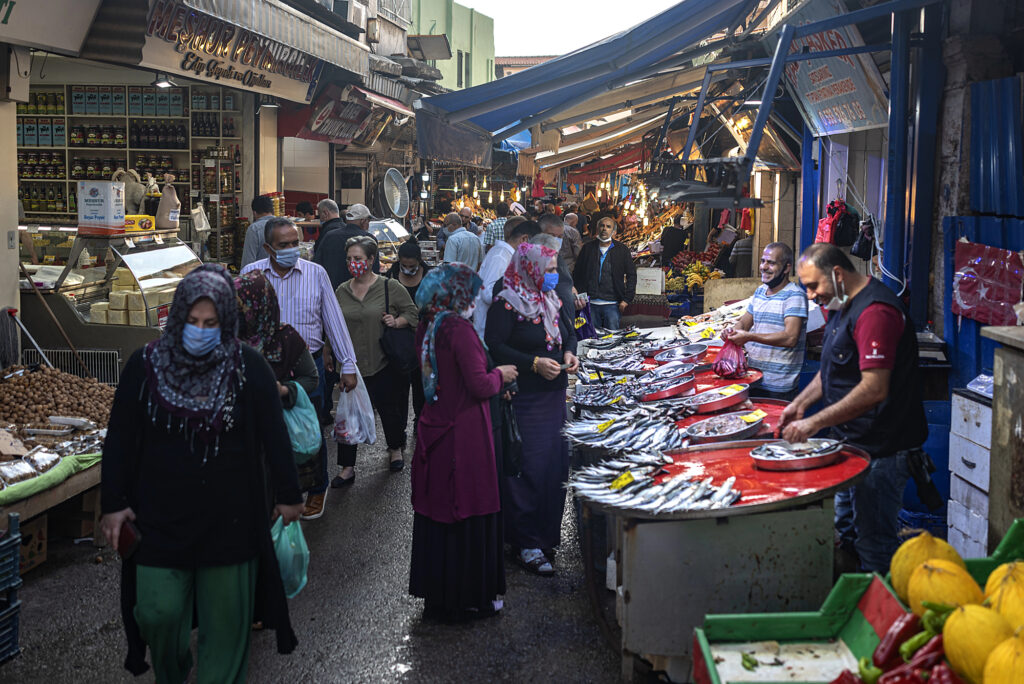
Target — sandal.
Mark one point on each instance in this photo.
(535, 561)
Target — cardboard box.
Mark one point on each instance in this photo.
(117, 100)
(30, 133)
(33, 543)
(163, 103)
(119, 317)
(135, 101)
(118, 300)
(101, 204)
(44, 132)
(92, 100)
(149, 101)
(60, 138)
(78, 99)
(104, 101)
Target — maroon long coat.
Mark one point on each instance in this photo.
(453, 470)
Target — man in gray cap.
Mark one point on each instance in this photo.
(332, 253)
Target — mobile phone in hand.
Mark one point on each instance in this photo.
(128, 540)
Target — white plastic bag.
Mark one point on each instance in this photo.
(353, 421)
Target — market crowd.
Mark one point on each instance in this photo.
(481, 345)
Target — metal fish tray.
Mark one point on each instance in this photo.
(827, 452)
(685, 385)
(688, 353)
(739, 393)
(748, 430)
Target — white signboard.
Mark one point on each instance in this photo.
(650, 281)
(55, 25)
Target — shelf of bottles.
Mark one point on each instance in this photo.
(67, 133)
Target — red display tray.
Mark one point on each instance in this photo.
(773, 407)
(706, 379)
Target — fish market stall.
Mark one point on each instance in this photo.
(705, 512)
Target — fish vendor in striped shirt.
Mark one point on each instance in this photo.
(773, 329)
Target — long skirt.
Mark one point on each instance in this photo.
(535, 498)
(457, 566)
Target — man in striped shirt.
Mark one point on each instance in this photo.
(774, 327)
(309, 305)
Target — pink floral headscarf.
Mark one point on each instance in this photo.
(523, 279)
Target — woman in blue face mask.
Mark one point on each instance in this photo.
(526, 327)
(196, 441)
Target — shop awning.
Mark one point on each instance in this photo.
(598, 169)
(386, 102)
(588, 72)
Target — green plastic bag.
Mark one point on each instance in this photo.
(292, 555)
(303, 427)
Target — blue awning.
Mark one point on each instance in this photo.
(595, 69)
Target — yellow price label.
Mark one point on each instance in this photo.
(616, 400)
(595, 376)
(49, 259)
(707, 334)
(690, 323)
(607, 337)
(605, 425)
(730, 390)
(631, 335)
(753, 416)
(622, 480)
(622, 381)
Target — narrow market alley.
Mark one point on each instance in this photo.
(354, 620)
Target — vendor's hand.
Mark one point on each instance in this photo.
(548, 369)
(282, 390)
(111, 524)
(792, 413)
(574, 363)
(389, 320)
(348, 382)
(290, 512)
(508, 374)
(737, 337)
(622, 307)
(799, 431)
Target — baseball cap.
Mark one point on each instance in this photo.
(357, 212)
(517, 208)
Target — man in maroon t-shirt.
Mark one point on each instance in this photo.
(870, 387)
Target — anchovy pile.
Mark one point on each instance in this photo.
(607, 339)
(653, 429)
(641, 492)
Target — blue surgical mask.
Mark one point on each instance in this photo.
(200, 341)
(550, 281)
(287, 257)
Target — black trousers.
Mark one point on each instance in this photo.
(389, 394)
(415, 379)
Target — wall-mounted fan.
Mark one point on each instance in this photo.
(394, 194)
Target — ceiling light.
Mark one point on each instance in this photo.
(425, 177)
(162, 81)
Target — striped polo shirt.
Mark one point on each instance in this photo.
(780, 365)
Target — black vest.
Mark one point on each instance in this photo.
(897, 423)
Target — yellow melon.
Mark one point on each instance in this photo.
(1005, 664)
(912, 553)
(1005, 592)
(941, 581)
(969, 636)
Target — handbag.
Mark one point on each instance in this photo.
(399, 344)
(511, 441)
(865, 244)
(303, 427)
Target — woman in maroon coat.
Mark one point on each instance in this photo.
(457, 531)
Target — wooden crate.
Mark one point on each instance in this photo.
(33, 543)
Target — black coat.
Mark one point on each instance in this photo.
(331, 252)
(587, 275)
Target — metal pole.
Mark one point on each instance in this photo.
(13, 314)
(42, 300)
(857, 16)
(894, 232)
(771, 83)
(664, 129)
(809, 190)
(691, 135)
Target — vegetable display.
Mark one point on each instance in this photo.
(32, 397)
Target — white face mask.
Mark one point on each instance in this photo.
(468, 312)
(837, 302)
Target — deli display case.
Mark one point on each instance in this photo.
(112, 294)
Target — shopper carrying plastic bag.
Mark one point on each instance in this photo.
(292, 555)
(303, 427)
(353, 419)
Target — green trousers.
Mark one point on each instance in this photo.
(223, 598)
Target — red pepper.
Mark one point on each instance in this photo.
(929, 655)
(943, 674)
(887, 655)
(904, 674)
(847, 677)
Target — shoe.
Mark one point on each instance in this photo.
(339, 481)
(396, 465)
(534, 561)
(314, 506)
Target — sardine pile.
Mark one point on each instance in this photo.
(718, 425)
(637, 428)
(673, 495)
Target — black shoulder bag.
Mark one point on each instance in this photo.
(399, 344)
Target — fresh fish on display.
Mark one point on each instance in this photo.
(638, 490)
(718, 425)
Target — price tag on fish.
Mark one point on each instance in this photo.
(708, 333)
(691, 323)
(622, 381)
(730, 390)
(605, 425)
(622, 480)
(753, 416)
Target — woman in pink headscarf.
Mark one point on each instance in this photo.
(525, 328)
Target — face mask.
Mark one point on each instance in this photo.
(550, 281)
(358, 268)
(837, 303)
(604, 240)
(467, 313)
(287, 258)
(410, 271)
(777, 280)
(199, 341)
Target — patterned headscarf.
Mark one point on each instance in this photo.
(199, 392)
(447, 289)
(259, 324)
(523, 280)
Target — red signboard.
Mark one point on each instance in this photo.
(339, 115)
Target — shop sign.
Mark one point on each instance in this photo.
(188, 42)
(838, 94)
(32, 23)
(338, 116)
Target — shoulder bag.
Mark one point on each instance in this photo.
(399, 344)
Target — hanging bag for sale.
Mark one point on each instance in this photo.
(864, 245)
(847, 227)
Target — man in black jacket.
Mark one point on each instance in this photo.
(605, 271)
(331, 253)
(330, 219)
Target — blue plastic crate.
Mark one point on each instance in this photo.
(10, 553)
(9, 625)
